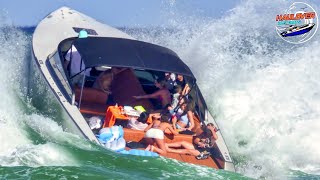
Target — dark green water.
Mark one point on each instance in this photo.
(100, 164)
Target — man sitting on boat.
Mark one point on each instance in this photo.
(163, 94)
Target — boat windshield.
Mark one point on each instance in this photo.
(58, 73)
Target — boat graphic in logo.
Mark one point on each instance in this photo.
(298, 23)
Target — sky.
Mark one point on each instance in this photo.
(114, 12)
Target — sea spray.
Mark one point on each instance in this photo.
(263, 91)
(20, 144)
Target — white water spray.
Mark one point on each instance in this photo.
(17, 147)
(263, 91)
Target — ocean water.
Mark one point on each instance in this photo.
(264, 92)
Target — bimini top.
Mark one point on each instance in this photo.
(118, 52)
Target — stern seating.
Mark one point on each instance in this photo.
(93, 101)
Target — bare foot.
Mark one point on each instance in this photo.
(148, 148)
(151, 148)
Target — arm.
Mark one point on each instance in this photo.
(185, 90)
(148, 127)
(214, 135)
(171, 129)
(191, 120)
(153, 95)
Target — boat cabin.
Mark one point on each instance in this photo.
(134, 67)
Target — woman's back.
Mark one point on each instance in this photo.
(164, 125)
(157, 124)
(164, 97)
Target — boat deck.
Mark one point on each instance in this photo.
(137, 136)
(93, 103)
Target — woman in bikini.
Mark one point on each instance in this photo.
(155, 133)
(163, 94)
(201, 144)
(183, 117)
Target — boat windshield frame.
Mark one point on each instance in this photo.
(57, 70)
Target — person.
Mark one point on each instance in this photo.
(155, 133)
(176, 96)
(103, 81)
(211, 125)
(170, 81)
(201, 144)
(77, 65)
(183, 119)
(163, 94)
(181, 82)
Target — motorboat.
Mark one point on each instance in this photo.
(103, 48)
(297, 30)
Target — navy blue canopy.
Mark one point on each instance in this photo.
(118, 52)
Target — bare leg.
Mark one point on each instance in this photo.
(148, 148)
(192, 152)
(188, 148)
(174, 145)
(161, 149)
(182, 144)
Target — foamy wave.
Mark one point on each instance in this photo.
(263, 91)
(48, 154)
(18, 146)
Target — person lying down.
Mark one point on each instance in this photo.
(200, 148)
(155, 133)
